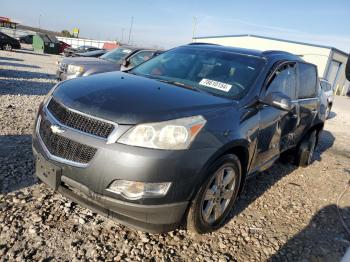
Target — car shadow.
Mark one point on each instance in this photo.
(259, 183)
(11, 59)
(29, 52)
(25, 87)
(11, 73)
(323, 239)
(17, 64)
(16, 163)
(332, 115)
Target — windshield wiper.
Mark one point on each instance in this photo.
(176, 83)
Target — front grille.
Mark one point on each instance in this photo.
(78, 121)
(63, 147)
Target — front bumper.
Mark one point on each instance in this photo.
(150, 218)
(88, 184)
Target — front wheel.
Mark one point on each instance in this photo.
(216, 197)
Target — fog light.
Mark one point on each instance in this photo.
(136, 190)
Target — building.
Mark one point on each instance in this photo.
(330, 61)
(7, 22)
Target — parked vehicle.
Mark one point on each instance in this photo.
(114, 60)
(63, 46)
(81, 49)
(27, 39)
(8, 43)
(175, 139)
(96, 53)
(329, 93)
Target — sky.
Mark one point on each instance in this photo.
(165, 23)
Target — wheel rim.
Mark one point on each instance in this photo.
(7, 47)
(218, 194)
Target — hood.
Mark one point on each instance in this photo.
(86, 61)
(128, 99)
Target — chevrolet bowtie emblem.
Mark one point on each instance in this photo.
(56, 129)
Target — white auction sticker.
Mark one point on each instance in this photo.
(215, 84)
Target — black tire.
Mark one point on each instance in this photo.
(196, 222)
(306, 149)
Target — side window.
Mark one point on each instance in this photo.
(140, 57)
(307, 80)
(284, 80)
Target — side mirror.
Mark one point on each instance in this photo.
(125, 63)
(278, 100)
(347, 69)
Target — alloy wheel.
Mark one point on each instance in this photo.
(218, 194)
(8, 47)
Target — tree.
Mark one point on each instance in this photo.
(66, 33)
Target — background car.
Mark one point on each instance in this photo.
(27, 39)
(8, 43)
(81, 49)
(122, 58)
(63, 46)
(329, 94)
(95, 53)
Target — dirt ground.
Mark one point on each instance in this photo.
(284, 214)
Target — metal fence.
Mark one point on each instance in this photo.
(75, 42)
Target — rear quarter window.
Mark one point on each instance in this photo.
(307, 81)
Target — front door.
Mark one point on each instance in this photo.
(277, 127)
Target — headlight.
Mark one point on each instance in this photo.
(171, 135)
(74, 69)
(136, 190)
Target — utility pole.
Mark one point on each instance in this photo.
(39, 21)
(194, 27)
(131, 24)
(122, 38)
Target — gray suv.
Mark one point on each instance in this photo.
(175, 139)
(121, 58)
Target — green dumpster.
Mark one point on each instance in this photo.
(47, 44)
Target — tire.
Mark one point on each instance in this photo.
(7, 47)
(212, 204)
(306, 149)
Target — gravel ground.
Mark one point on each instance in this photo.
(284, 214)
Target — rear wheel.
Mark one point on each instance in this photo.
(328, 110)
(216, 197)
(306, 149)
(7, 47)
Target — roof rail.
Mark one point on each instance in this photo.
(276, 52)
(201, 43)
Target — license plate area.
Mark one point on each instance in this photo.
(48, 173)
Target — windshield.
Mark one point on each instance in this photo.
(116, 55)
(221, 73)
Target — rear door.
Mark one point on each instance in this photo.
(277, 127)
(307, 97)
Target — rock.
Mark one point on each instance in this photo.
(81, 221)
